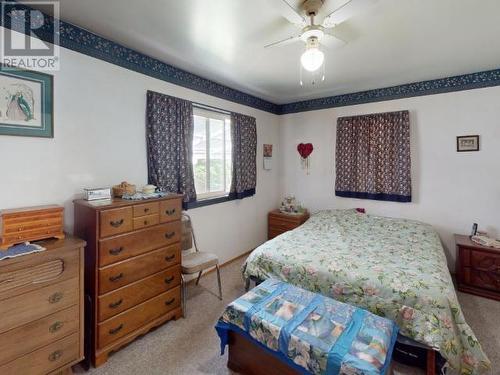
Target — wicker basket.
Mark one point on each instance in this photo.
(123, 188)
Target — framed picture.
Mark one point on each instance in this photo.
(26, 103)
(468, 143)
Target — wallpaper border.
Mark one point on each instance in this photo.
(80, 40)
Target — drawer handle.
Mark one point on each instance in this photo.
(170, 212)
(168, 258)
(116, 251)
(145, 222)
(116, 278)
(114, 305)
(168, 280)
(56, 297)
(116, 224)
(55, 327)
(54, 356)
(169, 235)
(170, 301)
(114, 331)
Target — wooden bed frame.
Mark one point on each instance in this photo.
(249, 359)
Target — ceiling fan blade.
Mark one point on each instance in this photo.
(291, 14)
(346, 11)
(331, 41)
(283, 42)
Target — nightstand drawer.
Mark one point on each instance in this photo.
(485, 261)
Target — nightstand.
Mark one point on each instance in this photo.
(279, 222)
(477, 268)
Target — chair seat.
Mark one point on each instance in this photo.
(198, 261)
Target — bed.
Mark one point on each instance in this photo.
(395, 268)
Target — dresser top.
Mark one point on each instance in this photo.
(105, 204)
(49, 245)
(465, 241)
(296, 217)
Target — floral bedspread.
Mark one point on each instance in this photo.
(395, 268)
(313, 333)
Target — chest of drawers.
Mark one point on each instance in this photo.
(132, 269)
(477, 268)
(279, 222)
(41, 307)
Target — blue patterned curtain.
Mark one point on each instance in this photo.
(373, 157)
(244, 158)
(169, 134)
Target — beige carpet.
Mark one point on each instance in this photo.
(190, 346)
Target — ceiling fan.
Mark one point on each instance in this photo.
(314, 35)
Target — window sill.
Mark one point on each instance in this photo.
(208, 202)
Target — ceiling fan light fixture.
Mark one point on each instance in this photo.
(312, 59)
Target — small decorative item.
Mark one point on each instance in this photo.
(305, 150)
(468, 143)
(268, 157)
(26, 103)
(97, 193)
(149, 189)
(289, 205)
(474, 229)
(123, 188)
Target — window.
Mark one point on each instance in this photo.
(211, 153)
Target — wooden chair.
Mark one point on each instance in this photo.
(194, 260)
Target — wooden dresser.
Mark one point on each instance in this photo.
(279, 222)
(132, 269)
(477, 268)
(41, 309)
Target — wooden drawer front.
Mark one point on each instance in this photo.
(115, 221)
(274, 233)
(484, 279)
(170, 210)
(46, 359)
(30, 306)
(283, 226)
(146, 209)
(36, 224)
(485, 261)
(124, 298)
(136, 317)
(146, 221)
(38, 333)
(32, 235)
(125, 246)
(39, 271)
(130, 270)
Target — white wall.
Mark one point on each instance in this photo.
(450, 190)
(99, 112)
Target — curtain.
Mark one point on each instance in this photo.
(169, 136)
(372, 157)
(244, 155)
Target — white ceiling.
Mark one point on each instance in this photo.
(392, 42)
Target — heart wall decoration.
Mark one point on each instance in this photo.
(305, 150)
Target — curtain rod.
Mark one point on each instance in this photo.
(209, 107)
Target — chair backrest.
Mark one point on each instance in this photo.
(188, 238)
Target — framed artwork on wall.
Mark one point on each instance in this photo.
(26, 103)
(467, 143)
